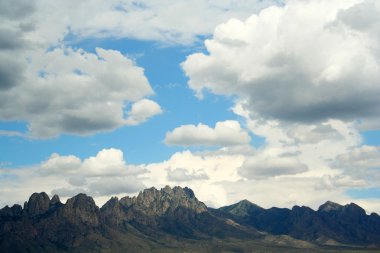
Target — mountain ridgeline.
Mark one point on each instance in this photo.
(174, 220)
(331, 224)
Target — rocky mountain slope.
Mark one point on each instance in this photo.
(174, 220)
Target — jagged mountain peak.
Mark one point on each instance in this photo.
(15, 210)
(245, 201)
(242, 208)
(37, 204)
(302, 209)
(81, 208)
(55, 200)
(355, 209)
(330, 206)
(168, 191)
(81, 201)
(154, 202)
(114, 201)
(158, 202)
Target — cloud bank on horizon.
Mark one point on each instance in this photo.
(301, 75)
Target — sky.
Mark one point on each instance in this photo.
(274, 101)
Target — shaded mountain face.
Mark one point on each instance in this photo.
(332, 223)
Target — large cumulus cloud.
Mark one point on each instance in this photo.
(75, 92)
(308, 61)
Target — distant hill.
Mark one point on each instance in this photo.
(174, 220)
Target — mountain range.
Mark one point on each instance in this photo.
(174, 220)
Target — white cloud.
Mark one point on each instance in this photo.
(340, 181)
(60, 164)
(115, 185)
(181, 175)
(108, 162)
(225, 184)
(103, 175)
(11, 133)
(363, 16)
(67, 192)
(360, 158)
(361, 164)
(165, 21)
(142, 110)
(225, 133)
(214, 169)
(300, 63)
(323, 147)
(261, 168)
(315, 145)
(75, 92)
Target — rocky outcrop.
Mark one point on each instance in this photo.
(37, 204)
(81, 209)
(150, 204)
(55, 201)
(330, 206)
(159, 202)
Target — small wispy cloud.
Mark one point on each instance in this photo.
(12, 133)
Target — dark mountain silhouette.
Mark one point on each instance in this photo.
(174, 220)
(330, 224)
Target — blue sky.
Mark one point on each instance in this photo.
(236, 100)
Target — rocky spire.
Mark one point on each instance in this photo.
(38, 204)
(81, 208)
(55, 200)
